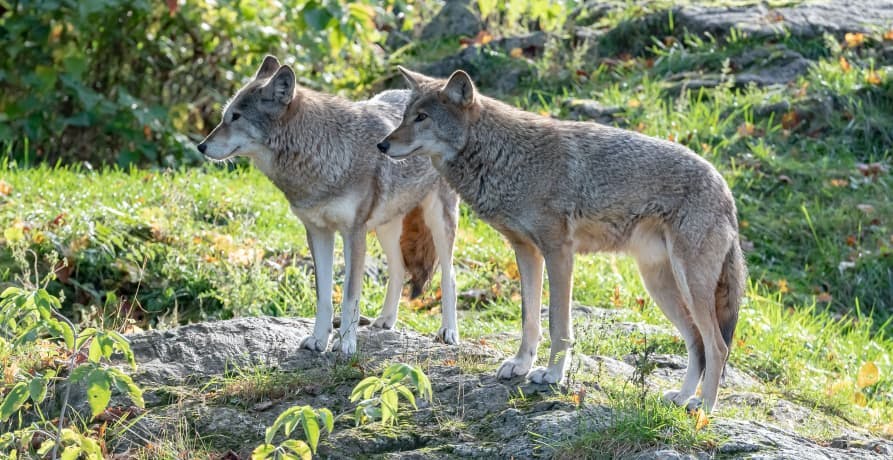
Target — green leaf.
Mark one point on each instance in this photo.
(62, 329)
(106, 344)
(360, 390)
(71, 453)
(403, 390)
(98, 390)
(95, 353)
(263, 452)
(299, 447)
(311, 426)
(124, 347)
(80, 372)
(91, 448)
(389, 401)
(37, 389)
(328, 420)
(11, 291)
(286, 416)
(13, 401)
(84, 336)
(125, 384)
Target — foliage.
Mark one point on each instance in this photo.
(125, 81)
(379, 397)
(388, 386)
(30, 314)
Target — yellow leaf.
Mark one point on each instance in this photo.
(512, 271)
(860, 399)
(5, 189)
(854, 39)
(844, 64)
(516, 53)
(868, 375)
(838, 386)
(702, 420)
(615, 298)
(783, 286)
(888, 35)
(634, 103)
(873, 78)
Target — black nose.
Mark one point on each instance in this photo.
(202, 147)
(383, 146)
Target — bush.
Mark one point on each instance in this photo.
(121, 81)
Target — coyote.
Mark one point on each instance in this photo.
(319, 151)
(555, 188)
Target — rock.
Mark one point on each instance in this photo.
(457, 18)
(588, 109)
(472, 414)
(807, 20)
(770, 65)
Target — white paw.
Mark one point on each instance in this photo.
(314, 343)
(449, 336)
(512, 368)
(545, 375)
(384, 322)
(348, 346)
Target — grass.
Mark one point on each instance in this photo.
(153, 249)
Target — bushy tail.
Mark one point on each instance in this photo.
(419, 254)
(729, 291)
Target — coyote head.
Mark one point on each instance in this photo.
(437, 117)
(249, 116)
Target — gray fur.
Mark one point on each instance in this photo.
(319, 150)
(554, 188)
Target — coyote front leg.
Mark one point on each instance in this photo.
(322, 249)
(355, 266)
(560, 266)
(530, 267)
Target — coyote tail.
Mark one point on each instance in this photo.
(419, 254)
(729, 291)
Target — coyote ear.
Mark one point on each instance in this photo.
(267, 68)
(459, 89)
(281, 88)
(412, 78)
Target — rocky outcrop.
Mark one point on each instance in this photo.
(472, 414)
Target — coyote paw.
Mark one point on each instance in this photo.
(674, 397)
(694, 403)
(512, 368)
(545, 375)
(346, 346)
(448, 336)
(313, 343)
(384, 322)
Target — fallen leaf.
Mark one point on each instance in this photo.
(859, 399)
(783, 286)
(839, 182)
(888, 35)
(512, 271)
(5, 189)
(873, 78)
(516, 53)
(634, 103)
(824, 297)
(854, 39)
(865, 208)
(790, 120)
(702, 420)
(844, 64)
(615, 298)
(746, 129)
(869, 374)
(851, 240)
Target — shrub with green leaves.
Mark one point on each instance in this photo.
(307, 417)
(29, 315)
(379, 397)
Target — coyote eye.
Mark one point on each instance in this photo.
(236, 116)
(421, 117)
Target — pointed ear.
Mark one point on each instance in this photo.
(459, 89)
(267, 68)
(281, 88)
(412, 78)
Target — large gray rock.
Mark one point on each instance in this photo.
(457, 18)
(807, 20)
(472, 415)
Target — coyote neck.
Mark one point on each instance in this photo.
(498, 147)
(312, 147)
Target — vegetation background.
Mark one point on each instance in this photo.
(103, 101)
